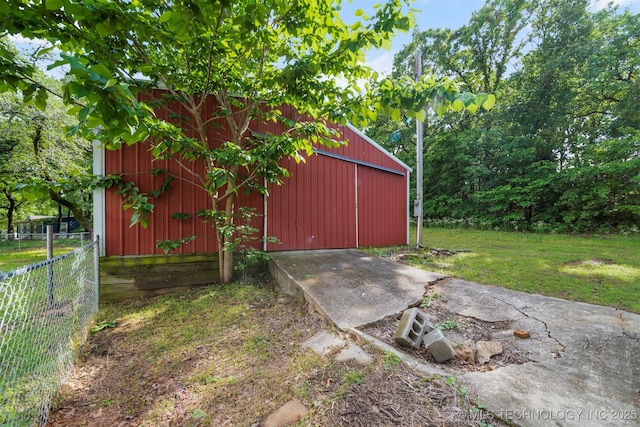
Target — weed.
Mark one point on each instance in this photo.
(479, 412)
(448, 325)
(390, 360)
(255, 344)
(106, 402)
(352, 378)
(476, 411)
(427, 300)
(103, 325)
(199, 414)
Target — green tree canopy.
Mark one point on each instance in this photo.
(39, 161)
(251, 56)
(561, 148)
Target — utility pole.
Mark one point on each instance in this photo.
(417, 204)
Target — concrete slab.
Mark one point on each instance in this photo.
(584, 368)
(349, 287)
(353, 352)
(323, 343)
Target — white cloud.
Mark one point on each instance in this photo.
(383, 63)
(601, 4)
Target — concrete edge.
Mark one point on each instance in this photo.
(290, 287)
(409, 361)
(285, 282)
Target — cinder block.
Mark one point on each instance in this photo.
(438, 346)
(412, 328)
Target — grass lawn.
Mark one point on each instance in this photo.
(28, 252)
(599, 269)
(231, 355)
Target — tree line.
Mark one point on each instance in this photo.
(560, 151)
(43, 170)
(249, 56)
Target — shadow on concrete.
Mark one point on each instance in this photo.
(349, 287)
(585, 359)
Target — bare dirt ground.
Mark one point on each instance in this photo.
(230, 356)
(462, 332)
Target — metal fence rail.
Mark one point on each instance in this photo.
(45, 312)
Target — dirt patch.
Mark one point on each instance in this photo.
(231, 356)
(462, 332)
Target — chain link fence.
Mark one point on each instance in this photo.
(45, 312)
(26, 241)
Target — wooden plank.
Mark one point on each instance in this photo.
(134, 276)
(137, 260)
(129, 294)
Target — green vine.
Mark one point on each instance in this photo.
(169, 245)
(133, 198)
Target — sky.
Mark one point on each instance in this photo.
(431, 14)
(438, 14)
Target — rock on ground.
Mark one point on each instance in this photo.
(289, 413)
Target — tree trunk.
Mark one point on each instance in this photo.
(60, 218)
(10, 211)
(75, 209)
(226, 256)
(225, 259)
(226, 266)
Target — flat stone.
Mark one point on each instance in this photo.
(486, 349)
(289, 413)
(465, 349)
(323, 343)
(353, 353)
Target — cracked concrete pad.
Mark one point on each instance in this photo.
(353, 353)
(584, 368)
(349, 287)
(584, 372)
(323, 343)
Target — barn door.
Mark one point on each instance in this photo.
(381, 207)
(315, 208)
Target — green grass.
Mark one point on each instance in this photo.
(226, 344)
(599, 269)
(28, 252)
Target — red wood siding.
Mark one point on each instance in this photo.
(382, 208)
(314, 209)
(135, 163)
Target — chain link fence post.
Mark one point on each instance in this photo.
(42, 324)
(50, 266)
(96, 268)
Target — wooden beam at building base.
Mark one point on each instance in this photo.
(124, 277)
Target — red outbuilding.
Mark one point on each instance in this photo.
(353, 196)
